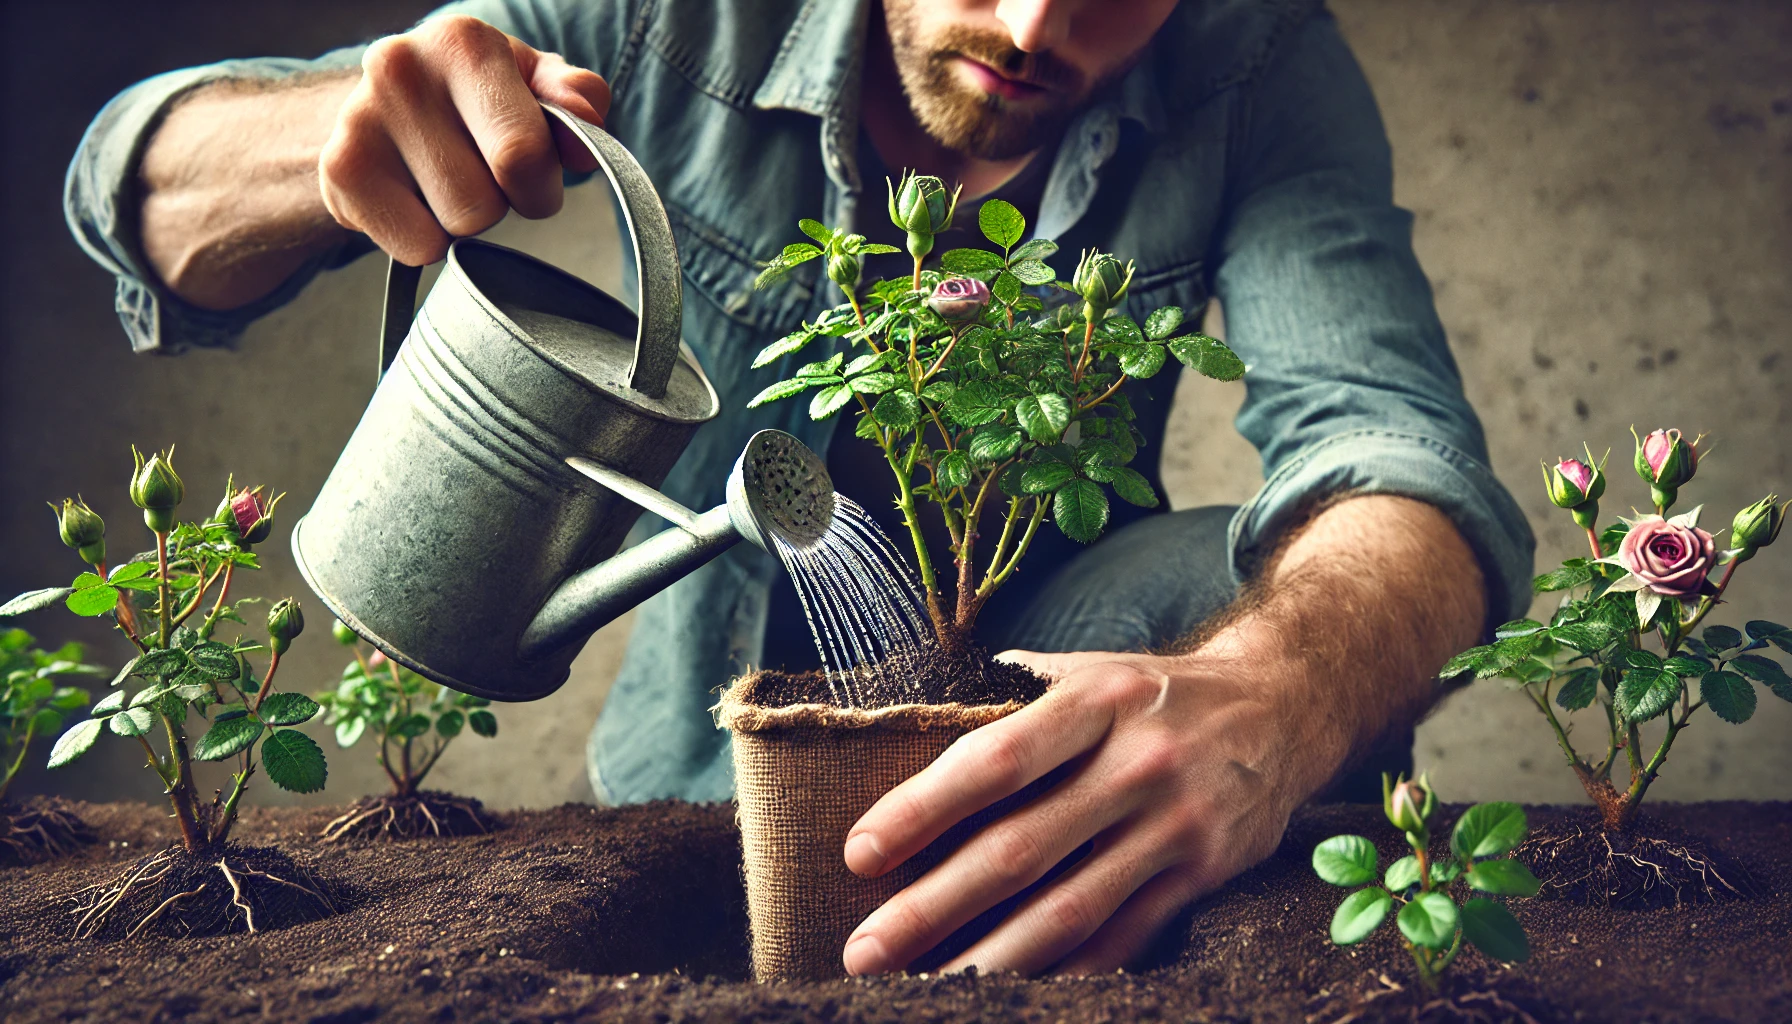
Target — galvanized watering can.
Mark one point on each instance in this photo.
(515, 435)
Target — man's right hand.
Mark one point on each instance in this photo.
(445, 134)
(438, 137)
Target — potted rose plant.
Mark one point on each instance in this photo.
(986, 404)
(1626, 638)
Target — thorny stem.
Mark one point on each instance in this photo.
(1105, 395)
(1593, 542)
(906, 502)
(267, 681)
(164, 627)
(995, 559)
(180, 792)
(227, 817)
(914, 286)
(1707, 603)
(1555, 724)
(1020, 549)
(957, 332)
(386, 763)
(967, 548)
(205, 584)
(211, 617)
(1076, 370)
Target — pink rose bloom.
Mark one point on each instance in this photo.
(1669, 557)
(959, 299)
(248, 509)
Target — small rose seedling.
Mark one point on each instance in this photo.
(1434, 917)
(33, 702)
(414, 720)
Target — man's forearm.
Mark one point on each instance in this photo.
(231, 205)
(1364, 603)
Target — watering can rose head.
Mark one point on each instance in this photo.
(959, 300)
(82, 529)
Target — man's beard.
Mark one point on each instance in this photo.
(964, 118)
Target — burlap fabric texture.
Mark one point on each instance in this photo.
(803, 774)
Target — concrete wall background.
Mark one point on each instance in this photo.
(1603, 195)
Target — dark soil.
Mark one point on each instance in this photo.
(40, 829)
(1653, 864)
(425, 813)
(232, 888)
(636, 914)
(935, 674)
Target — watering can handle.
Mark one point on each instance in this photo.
(661, 308)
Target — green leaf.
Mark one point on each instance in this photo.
(483, 722)
(995, 443)
(32, 600)
(46, 721)
(294, 761)
(68, 698)
(1722, 638)
(410, 727)
(1006, 288)
(1765, 671)
(877, 249)
(1585, 637)
(1488, 830)
(823, 370)
(1208, 357)
(288, 709)
(132, 721)
(782, 389)
(795, 341)
(1081, 511)
(1132, 487)
(1683, 665)
(1429, 920)
(1518, 627)
(92, 601)
(1045, 477)
(1402, 875)
(829, 400)
(1001, 223)
(1142, 361)
(1731, 697)
(1345, 861)
(1503, 878)
(817, 230)
(953, 470)
(1579, 689)
(1644, 693)
(215, 660)
(1032, 272)
(349, 730)
(130, 571)
(873, 383)
(1037, 249)
(1573, 573)
(160, 663)
(1044, 416)
(1492, 929)
(1163, 322)
(227, 736)
(1758, 629)
(899, 409)
(109, 704)
(866, 363)
(967, 262)
(1360, 914)
(975, 404)
(75, 742)
(448, 726)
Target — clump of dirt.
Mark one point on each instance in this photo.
(1652, 864)
(962, 673)
(231, 888)
(425, 813)
(38, 830)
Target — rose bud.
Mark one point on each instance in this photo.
(959, 300)
(1408, 805)
(156, 489)
(1102, 282)
(1757, 526)
(344, 635)
(82, 529)
(1665, 460)
(252, 515)
(1576, 485)
(285, 623)
(921, 206)
(843, 270)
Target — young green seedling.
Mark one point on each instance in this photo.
(33, 702)
(414, 720)
(1434, 918)
(170, 602)
(1649, 577)
(977, 394)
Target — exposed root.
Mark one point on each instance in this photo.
(177, 894)
(39, 831)
(1460, 1001)
(424, 814)
(1591, 866)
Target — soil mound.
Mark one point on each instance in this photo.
(39, 830)
(1654, 864)
(426, 813)
(936, 674)
(229, 889)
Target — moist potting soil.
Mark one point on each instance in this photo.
(962, 674)
(637, 914)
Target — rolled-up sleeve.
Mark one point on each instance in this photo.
(1351, 387)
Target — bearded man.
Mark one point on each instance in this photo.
(1231, 147)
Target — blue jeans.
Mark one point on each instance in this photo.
(1141, 587)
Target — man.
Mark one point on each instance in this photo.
(1231, 147)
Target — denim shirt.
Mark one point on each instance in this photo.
(1243, 158)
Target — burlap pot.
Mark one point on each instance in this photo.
(803, 774)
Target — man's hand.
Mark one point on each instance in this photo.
(1185, 767)
(438, 136)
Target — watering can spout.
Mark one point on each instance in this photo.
(778, 488)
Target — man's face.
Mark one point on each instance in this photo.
(999, 78)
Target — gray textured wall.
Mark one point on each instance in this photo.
(1603, 202)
